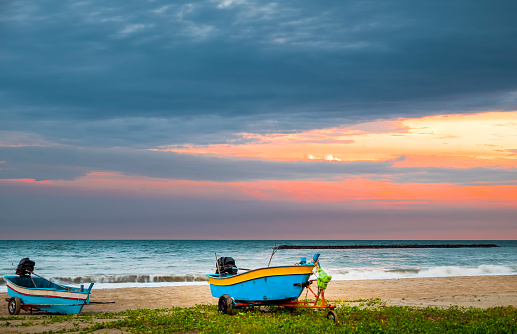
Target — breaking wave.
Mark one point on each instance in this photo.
(442, 271)
(131, 279)
(125, 281)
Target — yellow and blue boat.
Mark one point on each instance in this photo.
(269, 285)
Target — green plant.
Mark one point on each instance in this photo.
(376, 318)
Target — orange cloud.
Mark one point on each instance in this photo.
(358, 192)
(385, 194)
(455, 141)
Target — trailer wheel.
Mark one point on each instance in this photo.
(14, 306)
(225, 305)
(332, 315)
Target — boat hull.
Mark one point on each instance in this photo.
(53, 298)
(271, 284)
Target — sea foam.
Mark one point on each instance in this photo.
(441, 271)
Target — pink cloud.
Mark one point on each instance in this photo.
(361, 192)
(27, 181)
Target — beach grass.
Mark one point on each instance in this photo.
(372, 317)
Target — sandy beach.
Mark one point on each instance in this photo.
(478, 291)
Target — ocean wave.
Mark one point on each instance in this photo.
(439, 271)
(125, 281)
(338, 274)
(130, 279)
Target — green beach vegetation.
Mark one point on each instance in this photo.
(372, 316)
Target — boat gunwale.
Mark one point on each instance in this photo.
(79, 295)
(214, 279)
(263, 268)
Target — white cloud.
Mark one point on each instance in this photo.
(161, 10)
(229, 3)
(129, 29)
(185, 10)
(199, 31)
(330, 157)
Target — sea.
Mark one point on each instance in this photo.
(151, 263)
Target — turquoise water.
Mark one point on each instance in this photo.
(134, 263)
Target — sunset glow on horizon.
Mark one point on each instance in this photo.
(458, 141)
(454, 141)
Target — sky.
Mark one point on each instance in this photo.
(247, 119)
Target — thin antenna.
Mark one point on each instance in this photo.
(274, 251)
(217, 264)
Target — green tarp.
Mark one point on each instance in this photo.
(323, 279)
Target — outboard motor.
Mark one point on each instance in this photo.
(226, 265)
(25, 267)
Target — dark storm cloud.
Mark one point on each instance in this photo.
(302, 63)
(67, 163)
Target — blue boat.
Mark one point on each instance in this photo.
(37, 293)
(269, 285)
